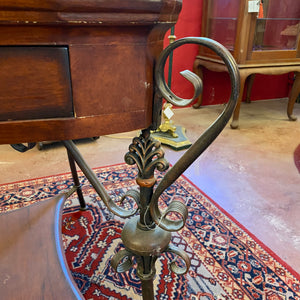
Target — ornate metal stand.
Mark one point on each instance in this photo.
(148, 235)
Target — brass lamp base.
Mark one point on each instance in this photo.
(177, 143)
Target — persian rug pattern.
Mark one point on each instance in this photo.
(227, 262)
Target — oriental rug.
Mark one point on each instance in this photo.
(227, 261)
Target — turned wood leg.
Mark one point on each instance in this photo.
(197, 68)
(235, 118)
(293, 96)
(249, 85)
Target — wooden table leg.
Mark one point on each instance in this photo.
(249, 85)
(235, 118)
(293, 97)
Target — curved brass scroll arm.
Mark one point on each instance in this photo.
(205, 139)
(163, 87)
(99, 188)
(175, 268)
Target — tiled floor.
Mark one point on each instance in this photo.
(250, 171)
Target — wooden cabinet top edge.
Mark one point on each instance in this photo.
(85, 12)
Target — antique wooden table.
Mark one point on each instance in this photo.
(247, 74)
(69, 69)
(261, 43)
(73, 69)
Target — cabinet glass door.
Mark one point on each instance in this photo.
(277, 25)
(222, 21)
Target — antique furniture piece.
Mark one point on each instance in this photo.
(71, 69)
(262, 42)
(63, 64)
(74, 69)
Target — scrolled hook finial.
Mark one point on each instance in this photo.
(161, 82)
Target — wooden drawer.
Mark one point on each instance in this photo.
(35, 83)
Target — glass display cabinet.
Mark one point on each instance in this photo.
(262, 36)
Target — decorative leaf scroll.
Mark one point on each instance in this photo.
(148, 155)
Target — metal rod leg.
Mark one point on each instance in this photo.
(76, 181)
(146, 272)
(147, 289)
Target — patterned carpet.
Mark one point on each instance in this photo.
(227, 262)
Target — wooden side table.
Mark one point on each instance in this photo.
(247, 74)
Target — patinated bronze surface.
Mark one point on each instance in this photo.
(147, 236)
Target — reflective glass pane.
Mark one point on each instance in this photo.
(222, 22)
(278, 25)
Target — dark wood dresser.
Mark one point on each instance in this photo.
(78, 68)
(70, 69)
